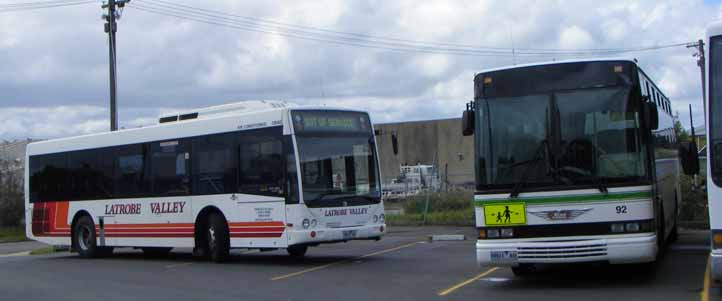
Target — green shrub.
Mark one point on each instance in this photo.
(439, 202)
(694, 201)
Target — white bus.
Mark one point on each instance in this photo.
(713, 45)
(576, 161)
(256, 175)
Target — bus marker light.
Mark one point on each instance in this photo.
(482, 234)
(717, 239)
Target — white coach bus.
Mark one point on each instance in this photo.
(714, 144)
(576, 161)
(247, 175)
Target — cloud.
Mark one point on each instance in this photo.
(54, 82)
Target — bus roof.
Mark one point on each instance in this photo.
(172, 130)
(612, 59)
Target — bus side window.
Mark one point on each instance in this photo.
(129, 172)
(169, 168)
(215, 164)
(261, 169)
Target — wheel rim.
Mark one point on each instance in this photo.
(84, 237)
(211, 238)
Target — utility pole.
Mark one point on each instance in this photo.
(700, 62)
(111, 28)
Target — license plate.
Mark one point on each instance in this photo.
(503, 255)
(348, 234)
(505, 214)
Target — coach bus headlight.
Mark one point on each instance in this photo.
(507, 232)
(617, 228)
(492, 233)
(306, 223)
(632, 227)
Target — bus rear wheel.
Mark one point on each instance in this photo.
(297, 251)
(85, 240)
(217, 238)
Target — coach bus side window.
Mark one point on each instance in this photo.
(261, 165)
(129, 178)
(169, 168)
(215, 164)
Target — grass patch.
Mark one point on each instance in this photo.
(447, 218)
(43, 251)
(12, 234)
(449, 209)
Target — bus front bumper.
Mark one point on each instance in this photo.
(715, 258)
(330, 235)
(618, 249)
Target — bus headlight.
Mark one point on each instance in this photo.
(632, 227)
(306, 223)
(492, 233)
(376, 218)
(314, 223)
(507, 232)
(382, 217)
(617, 228)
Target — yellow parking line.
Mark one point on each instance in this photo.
(467, 282)
(313, 269)
(704, 294)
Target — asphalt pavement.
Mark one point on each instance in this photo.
(404, 265)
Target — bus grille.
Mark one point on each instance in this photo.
(563, 252)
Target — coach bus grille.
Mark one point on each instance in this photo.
(580, 251)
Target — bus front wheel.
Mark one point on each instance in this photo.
(85, 239)
(297, 251)
(217, 238)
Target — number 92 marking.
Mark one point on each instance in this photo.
(621, 209)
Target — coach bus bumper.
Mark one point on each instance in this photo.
(331, 235)
(631, 248)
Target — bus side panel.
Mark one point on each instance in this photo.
(254, 221)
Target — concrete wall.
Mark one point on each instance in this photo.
(425, 142)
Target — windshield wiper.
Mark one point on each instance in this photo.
(595, 179)
(540, 154)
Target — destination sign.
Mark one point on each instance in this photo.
(330, 121)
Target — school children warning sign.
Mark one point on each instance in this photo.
(505, 214)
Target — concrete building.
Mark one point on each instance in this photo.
(13, 152)
(429, 142)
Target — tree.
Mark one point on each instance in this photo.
(681, 132)
(12, 197)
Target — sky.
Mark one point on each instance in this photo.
(54, 62)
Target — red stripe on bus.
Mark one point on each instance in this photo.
(260, 235)
(266, 229)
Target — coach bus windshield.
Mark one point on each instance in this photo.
(338, 158)
(572, 134)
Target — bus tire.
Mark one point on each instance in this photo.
(674, 235)
(84, 238)
(297, 251)
(661, 231)
(523, 270)
(217, 238)
(156, 252)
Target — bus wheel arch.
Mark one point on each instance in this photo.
(211, 217)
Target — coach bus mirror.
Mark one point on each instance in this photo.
(651, 115)
(395, 143)
(689, 156)
(467, 123)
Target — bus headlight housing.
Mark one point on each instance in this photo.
(314, 223)
(306, 223)
(382, 217)
(376, 218)
(632, 227)
(507, 232)
(617, 228)
(492, 233)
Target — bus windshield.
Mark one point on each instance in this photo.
(338, 160)
(585, 137)
(715, 109)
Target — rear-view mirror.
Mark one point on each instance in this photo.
(689, 156)
(651, 115)
(467, 123)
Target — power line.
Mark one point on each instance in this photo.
(221, 19)
(196, 12)
(15, 7)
